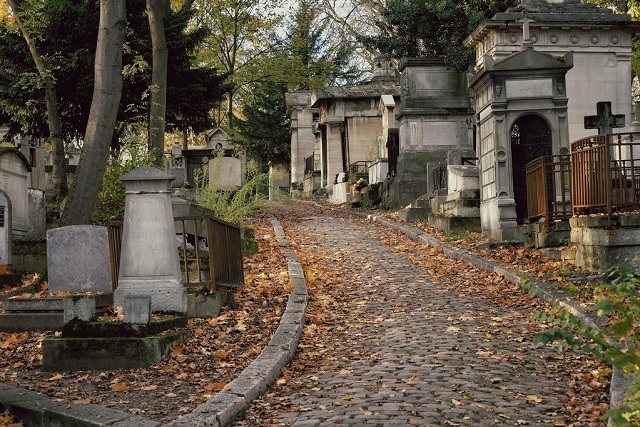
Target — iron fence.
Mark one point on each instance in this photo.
(548, 188)
(210, 252)
(605, 174)
(311, 164)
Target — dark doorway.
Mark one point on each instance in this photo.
(530, 139)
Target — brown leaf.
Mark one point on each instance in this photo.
(119, 387)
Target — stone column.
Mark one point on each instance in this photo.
(149, 263)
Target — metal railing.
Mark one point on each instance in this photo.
(358, 170)
(311, 164)
(440, 177)
(210, 252)
(605, 174)
(548, 188)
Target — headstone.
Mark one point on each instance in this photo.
(149, 263)
(81, 308)
(137, 309)
(177, 166)
(5, 229)
(78, 259)
(604, 121)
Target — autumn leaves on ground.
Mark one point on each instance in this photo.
(220, 348)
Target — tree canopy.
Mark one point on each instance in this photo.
(61, 28)
(432, 28)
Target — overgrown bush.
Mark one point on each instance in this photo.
(234, 205)
(110, 204)
(620, 347)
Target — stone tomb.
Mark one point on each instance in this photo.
(522, 110)
(435, 117)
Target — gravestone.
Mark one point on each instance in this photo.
(149, 263)
(604, 120)
(434, 117)
(78, 259)
(5, 230)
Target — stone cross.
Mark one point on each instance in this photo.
(604, 121)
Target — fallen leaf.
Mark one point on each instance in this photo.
(214, 387)
(119, 387)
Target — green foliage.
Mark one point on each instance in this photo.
(617, 299)
(229, 204)
(65, 33)
(110, 204)
(266, 128)
(234, 205)
(432, 28)
(317, 55)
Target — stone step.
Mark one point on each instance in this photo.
(454, 224)
(410, 214)
(47, 304)
(461, 207)
(22, 322)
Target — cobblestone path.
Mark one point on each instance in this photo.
(420, 353)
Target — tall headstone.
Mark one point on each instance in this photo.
(78, 259)
(149, 263)
(5, 230)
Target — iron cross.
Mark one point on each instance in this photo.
(604, 121)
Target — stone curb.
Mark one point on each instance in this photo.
(542, 290)
(220, 410)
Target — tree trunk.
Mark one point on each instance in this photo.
(156, 11)
(107, 91)
(58, 175)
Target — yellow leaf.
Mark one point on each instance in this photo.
(56, 377)
(533, 398)
(348, 397)
(119, 387)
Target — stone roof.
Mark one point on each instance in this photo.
(529, 60)
(373, 90)
(566, 13)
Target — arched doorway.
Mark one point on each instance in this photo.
(530, 139)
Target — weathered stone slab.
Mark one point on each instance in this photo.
(19, 322)
(72, 354)
(80, 308)
(137, 309)
(78, 259)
